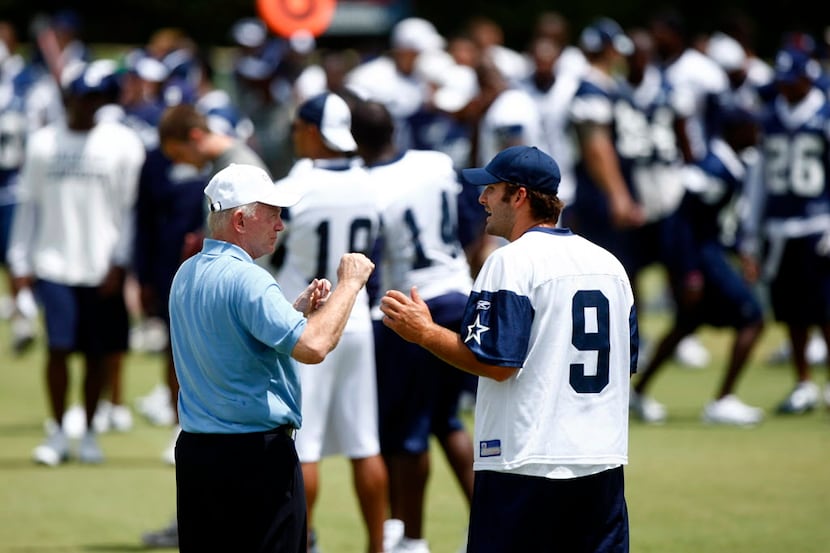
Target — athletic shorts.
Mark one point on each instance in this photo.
(512, 512)
(79, 319)
(240, 492)
(418, 393)
(800, 289)
(6, 215)
(340, 402)
(728, 299)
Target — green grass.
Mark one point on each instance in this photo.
(691, 488)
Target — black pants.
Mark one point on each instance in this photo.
(240, 493)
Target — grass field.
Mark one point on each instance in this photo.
(690, 488)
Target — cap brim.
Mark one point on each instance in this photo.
(281, 196)
(479, 176)
(340, 140)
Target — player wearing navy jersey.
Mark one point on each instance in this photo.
(418, 394)
(550, 328)
(337, 214)
(609, 144)
(796, 211)
(708, 290)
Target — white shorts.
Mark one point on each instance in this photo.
(340, 403)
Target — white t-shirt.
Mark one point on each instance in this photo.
(77, 193)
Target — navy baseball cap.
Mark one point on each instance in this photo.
(793, 63)
(602, 32)
(526, 166)
(97, 77)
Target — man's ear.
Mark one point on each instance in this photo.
(195, 134)
(238, 220)
(521, 194)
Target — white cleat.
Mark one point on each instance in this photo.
(647, 409)
(732, 411)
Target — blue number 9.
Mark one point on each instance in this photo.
(597, 340)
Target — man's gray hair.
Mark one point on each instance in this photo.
(216, 220)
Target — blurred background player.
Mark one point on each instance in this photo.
(794, 214)
(338, 213)
(707, 287)
(418, 394)
(72, 238)
(17, 120)
(392, 77)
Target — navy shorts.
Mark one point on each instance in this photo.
(79, 319)
(6, 215)
(800, 290)
(240, 492)
(418, 393)
(511, 512)
(728, 299)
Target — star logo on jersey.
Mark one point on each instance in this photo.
(475, 330)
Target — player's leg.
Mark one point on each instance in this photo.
(60, 317)
(318, 383)
(404, 393)
(799, 294)
(354, 418)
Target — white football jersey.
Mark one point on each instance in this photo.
(695, 77)
(560, 308)
(337, 214)
(556, 136)
(418, 195)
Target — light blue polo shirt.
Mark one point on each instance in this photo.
(232, 333)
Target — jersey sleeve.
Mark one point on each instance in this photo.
(497, 318)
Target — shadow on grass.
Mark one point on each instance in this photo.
(116, 547)
(99, 547)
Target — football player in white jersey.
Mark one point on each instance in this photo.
(418, 394)
(550, 328)
(338, 213)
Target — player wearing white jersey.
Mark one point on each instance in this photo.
(418, 394)
(337, 214)
(72, 237)
(695, 76)
(550, 328)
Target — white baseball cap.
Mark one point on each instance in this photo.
(456, 88)
(331, 114)
(415, 33)
(240, 184)
(726, 51)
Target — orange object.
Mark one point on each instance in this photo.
(286, 17)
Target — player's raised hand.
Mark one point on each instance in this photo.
(408, 316)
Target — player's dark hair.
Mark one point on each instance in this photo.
(372, 127)
(543, 206)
